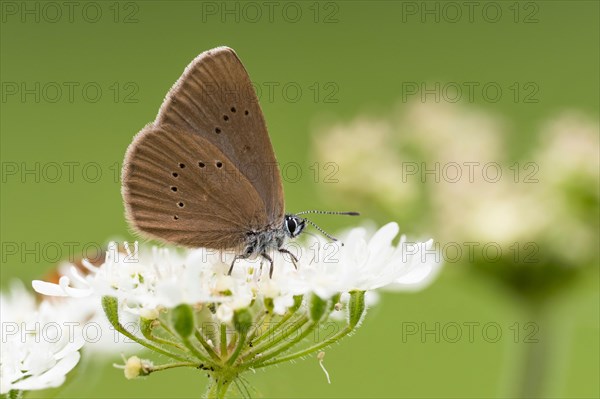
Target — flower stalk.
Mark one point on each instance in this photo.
(226, 359)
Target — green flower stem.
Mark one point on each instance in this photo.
(238, 349)
(300, 323)
(222, 388)
(263, 321)
(267, 333)
(211, 334)
(218, 389)
(232, 342)
(288, 345)
(536, 355)
(192, 348)
(173, 365)
(356, 312)
(146, 330)
(212, 391)
(110, 306)
(209, 349)
(169, 330)
(306, 351)
(223, 340)
(239, 384)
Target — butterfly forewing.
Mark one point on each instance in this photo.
(180, 188)
(215, 99)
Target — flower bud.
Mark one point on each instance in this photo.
(356, 308)
(135, 367)
(242, 320)
(182, 318)
(269, 304)
(149, 314)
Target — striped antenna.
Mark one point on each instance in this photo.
(332, 238)
(329, 213)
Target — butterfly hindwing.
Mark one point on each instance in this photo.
(181, 188)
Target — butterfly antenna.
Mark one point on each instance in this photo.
(332, 238)
(329, 213)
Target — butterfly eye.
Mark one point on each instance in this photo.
(291, 225)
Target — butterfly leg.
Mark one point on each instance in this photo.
(292, 256)
(260, 270)
(243, 256)
(267, 257)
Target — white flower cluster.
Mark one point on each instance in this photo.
(147, 281)
(169, 294)
(39, 343)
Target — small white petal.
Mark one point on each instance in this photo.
(224, 313)
(46, 288)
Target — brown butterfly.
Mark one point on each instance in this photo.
(204, 174)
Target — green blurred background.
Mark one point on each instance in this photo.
(348, 58)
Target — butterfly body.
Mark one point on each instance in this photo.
(262, 242)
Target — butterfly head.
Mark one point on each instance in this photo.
(293, 225)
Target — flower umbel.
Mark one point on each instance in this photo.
(187, 308)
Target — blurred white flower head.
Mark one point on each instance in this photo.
(568, 148)
(450, 170)
(450, 132)
(346, 163)
(569, 165)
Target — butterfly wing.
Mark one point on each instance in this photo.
(179, 187)
(215, 99)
